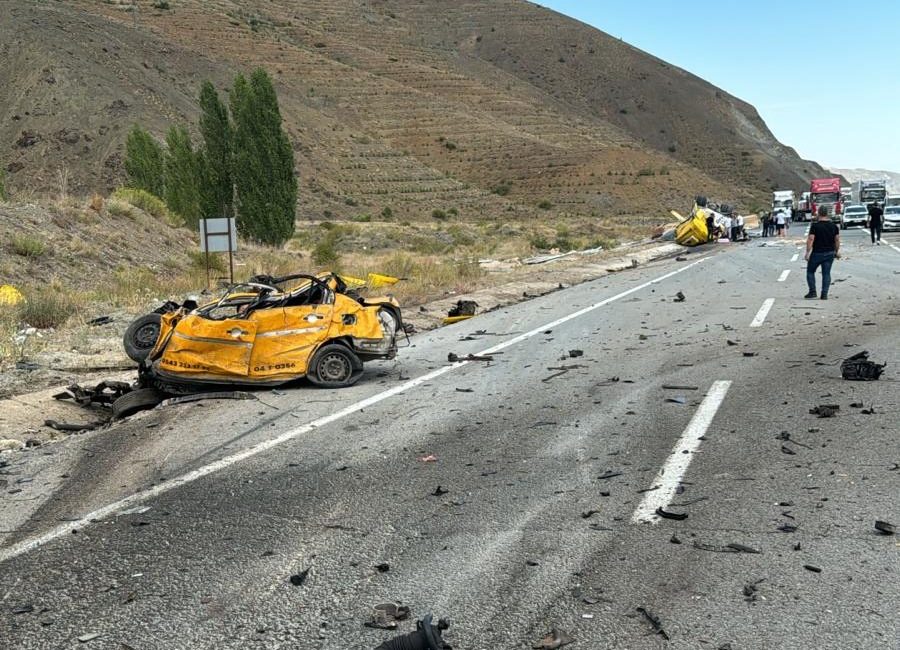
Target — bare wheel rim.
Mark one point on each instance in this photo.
(335, 368)
(146, 335)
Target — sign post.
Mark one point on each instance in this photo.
(219, 235)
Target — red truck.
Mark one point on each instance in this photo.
(827, 192)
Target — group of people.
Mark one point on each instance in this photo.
(731, 227)
(775, 224)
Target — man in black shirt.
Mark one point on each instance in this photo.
(823, 246)
(874, 222)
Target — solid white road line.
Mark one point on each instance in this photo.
(784, 274)
(763, 312)
(795, 257)
(675, 467)
(117, 507)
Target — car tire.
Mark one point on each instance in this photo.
(137, 400)
(141, 336)
(334, 366)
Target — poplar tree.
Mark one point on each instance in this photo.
(181, 176)
(144, 162)
(215, 158)
(263, 162)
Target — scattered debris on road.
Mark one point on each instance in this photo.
(425, 637)
(825, 410)
(383, 567)
(452, 357)
(654, 622)
(430, 458)
(679, 387)
(439, 491)
(679, 297)
(556, 639)
(884, 528)
(814, 569)
(665, 514)
(196, 397)
(728, 548)
(561, 371)
(72, 428)
(575, 353)
(859, 368)
(298, 579)
(462, 310)
(386, 615)
(678, 399)
(84, 638)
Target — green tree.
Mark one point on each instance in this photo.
(263, 168)
(182, 176)
(216, 186)
(144, 162)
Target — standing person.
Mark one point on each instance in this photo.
(823, 246)
(726, 227)
(710, 226)
(874, 222)
(739, 227)
(767, 224)
(780, 221)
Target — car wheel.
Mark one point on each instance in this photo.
(136, 400)
(141, 335)
(334, 366)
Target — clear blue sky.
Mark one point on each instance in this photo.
(824, 75)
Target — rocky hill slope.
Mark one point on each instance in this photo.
(495, 109)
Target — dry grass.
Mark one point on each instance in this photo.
(44, 308)
(27, 246)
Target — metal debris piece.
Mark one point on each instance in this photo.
(679, 387)
(677, 399)
(575, 353)
(561, 371)
(455, 358)
(104, 393)
(751, 354)
(84, 638)
(859, 368)
(607, 475)
(728, 548)
(196, 397)
(787, 528)
(810, 567)
(27, 608)
(383, 567)
(674, 539)
(386, 615)
(66, 426)
(589, 513)
(426, 636)
(665, 514)
(884, 527)
(825, 410)
(556, 639)
(439, 491)
(654, 622)
(463, 308)
(679, 297)
(100, 320)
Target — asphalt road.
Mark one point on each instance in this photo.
(550, 468)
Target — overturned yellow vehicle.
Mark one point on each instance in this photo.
(270, 331)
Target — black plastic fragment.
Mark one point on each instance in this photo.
(885, 528)
(665, 514)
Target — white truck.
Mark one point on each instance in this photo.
(784, 201)
(866, 192)
(892, 199)
(847, 194)
(803, 208)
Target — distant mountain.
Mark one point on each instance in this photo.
(892, 178)
(490, 107)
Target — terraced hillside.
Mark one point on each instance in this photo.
(493, 109)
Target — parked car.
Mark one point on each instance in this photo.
(854, 215)
(892, 217)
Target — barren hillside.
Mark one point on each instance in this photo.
(412, 106)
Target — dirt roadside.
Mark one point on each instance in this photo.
(30, 403)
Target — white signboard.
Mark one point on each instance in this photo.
(217, 234)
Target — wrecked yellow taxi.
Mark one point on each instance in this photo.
(266, 332)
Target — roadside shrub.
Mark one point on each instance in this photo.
(646, 171)
(161, 4)
(325, 254)
(350, 201)
(501, 189)
(387, 213)
(216, 261)
(539, 241)
(439, 214)
(673, 149)
(120, 208)
(3, 194)
(45, 308)
(27, 246)
(450, 146)
(145, 201)
(453, 212)
(545, 205)
(362, 218)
